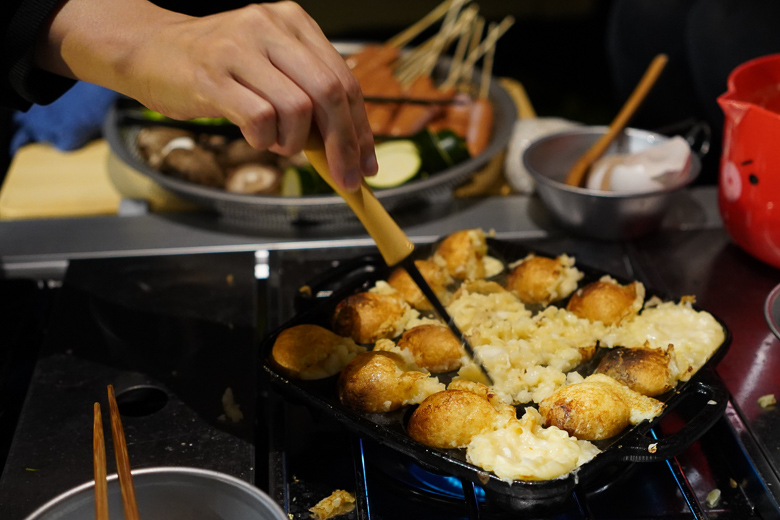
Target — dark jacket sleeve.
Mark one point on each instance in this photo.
(21, 83)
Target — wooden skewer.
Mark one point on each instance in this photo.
(422, 60)
(463, 72)
(490, 40)
(99, 464)
(578, 172)
(470, 16)
(487, 71)
(411, 32)
(122, 459)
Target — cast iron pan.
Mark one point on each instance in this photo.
(633, 445)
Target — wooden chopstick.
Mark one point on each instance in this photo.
(99, 463)
(122, 460)
(578, 173)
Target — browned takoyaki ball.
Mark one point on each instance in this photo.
(437, 277)
(463, 252)
(379, 381)
(312, 352)
(607, 302)
(534, 280)
(434, 347)
(644, 370)
(597, 408)
(367, 317)
(450, 419)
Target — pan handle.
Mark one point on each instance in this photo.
(643, 448)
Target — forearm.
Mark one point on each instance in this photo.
(99, 41)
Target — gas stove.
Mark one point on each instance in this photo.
(173, 333)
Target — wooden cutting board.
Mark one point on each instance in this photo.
(43, 182)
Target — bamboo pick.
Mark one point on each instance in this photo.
(423, 59)
(464, 39)
(410, 33)
(578, 172)
(440, 39)
(122, 459)
(487, 70)
(99, 465)
(490, 40)
(465, 75)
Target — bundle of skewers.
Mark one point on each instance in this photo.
(402, 96)
(427, 114)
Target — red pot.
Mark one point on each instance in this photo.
(749, 183)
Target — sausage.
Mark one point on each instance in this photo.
(480, 126)
(373, 57)
(379, 115)
(459, 114)
(411, 118)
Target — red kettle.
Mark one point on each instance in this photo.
(749, 181)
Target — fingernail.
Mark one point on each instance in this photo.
(370, 166)
(352, 179)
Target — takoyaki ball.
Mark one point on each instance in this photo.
(312, 352)
(644, 370)
(369, 316)
(487, 392)
(597, 408)
(607, 301)
(434, 347)
(538, 279)
(462, 253)
(450, 419)
(380, 381)
(437, 277)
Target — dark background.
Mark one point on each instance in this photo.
(580, 59)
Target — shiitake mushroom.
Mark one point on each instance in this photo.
(153, 140)
(211, 160)
(195, 165)
(254, 178)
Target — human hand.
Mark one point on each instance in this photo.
(266, 67)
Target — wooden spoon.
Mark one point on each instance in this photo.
(393, 244)
(578, 172)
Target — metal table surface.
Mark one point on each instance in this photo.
(42, 248)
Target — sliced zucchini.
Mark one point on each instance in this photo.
(399, 162)
(291, 183)
(453, 146)
(299, 181)
(433, 158)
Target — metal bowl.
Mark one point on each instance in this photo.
(170, 493)
(275, 212)
(595, 213)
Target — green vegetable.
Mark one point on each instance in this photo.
(399, 162)
(205, 121)
(453, 146)
(433, 157)
(299, 181)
